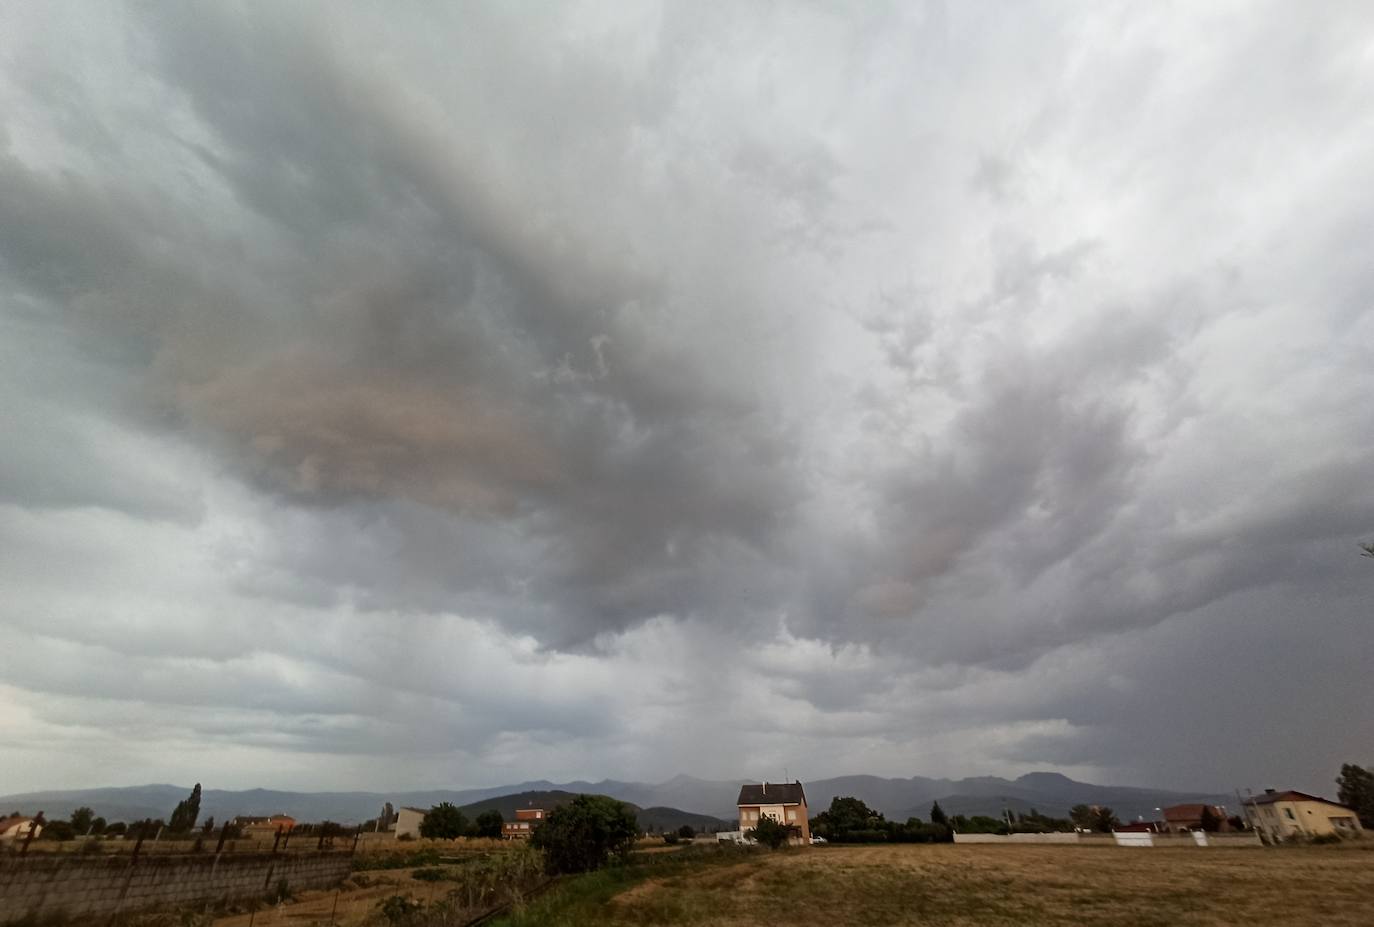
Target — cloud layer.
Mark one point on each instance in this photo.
(397, 400)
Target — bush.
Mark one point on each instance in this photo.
(585, 833)
(771, 833)
(398, 909)
(428, 875)
(1326, 838)
(686, 832)
(670, 838)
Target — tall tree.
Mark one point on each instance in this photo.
(81, 820)
(585, 833)
(489, 823)
(1355, 787)
(1105, 820)
(937, 814)
(186, 812)
(443, 822)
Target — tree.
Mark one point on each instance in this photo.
(81, 820)
(98, 826)
(771, 832)
(686, 832)
(1211, 821)
(387, 818)
(1082, 817)
(115, 829)
(1355, 787)
(208, 827)
(937, 814)
(585, 833)
(59, 830)
(1104, 820)
(186, 812)
(489, 823)
(443, 822)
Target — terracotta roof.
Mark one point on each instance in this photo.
(772, 793)
(1189, 812)
(1269, 797)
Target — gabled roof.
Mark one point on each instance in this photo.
(772, 793)
(1269, 797)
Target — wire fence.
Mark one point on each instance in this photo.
(227, 839)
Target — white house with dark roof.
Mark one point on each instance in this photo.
(784, 802)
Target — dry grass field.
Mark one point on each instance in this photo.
(977, 885)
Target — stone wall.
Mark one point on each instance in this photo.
(84, 887)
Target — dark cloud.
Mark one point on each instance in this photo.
(934, 382)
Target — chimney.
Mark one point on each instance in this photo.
(765, 786)
(1268, 791)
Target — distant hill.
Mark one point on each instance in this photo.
(1049, 793)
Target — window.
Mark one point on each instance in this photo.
(791, 816)
(1288, 813)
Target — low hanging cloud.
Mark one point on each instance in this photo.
(953, 390)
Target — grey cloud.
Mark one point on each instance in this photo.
(929, 350)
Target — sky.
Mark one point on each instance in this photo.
(401, 396)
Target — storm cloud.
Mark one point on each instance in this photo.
(397, 398)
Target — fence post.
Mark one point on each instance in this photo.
(223, 835)
(138, 844)
(34, 825)
(357, 835)
(277, 839)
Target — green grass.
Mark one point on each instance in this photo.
(583, 899)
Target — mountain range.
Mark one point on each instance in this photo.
(898, 799)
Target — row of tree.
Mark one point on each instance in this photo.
(445, 822)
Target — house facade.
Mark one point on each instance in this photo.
(1280, 815)
(526, 819)
(784, 802)
(408, 822)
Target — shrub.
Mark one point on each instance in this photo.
(771, 833)
(398, 909)
(670, 838)
(428, 875)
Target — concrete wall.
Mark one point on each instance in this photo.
(1088, 840)
(87, 886)
(1015, 838)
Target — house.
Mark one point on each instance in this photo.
(1184, 818)
(525, 821)
(264, 828)
(408, 822)
(784, 802)
(1280, 815)
(16, 827)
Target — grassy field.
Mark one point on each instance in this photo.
(974, 885)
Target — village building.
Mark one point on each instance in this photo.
(525, 821)
(1184, 818)
(266, 827)
(16, 827)
(784, 802)
(1280, 815)
(408, 822)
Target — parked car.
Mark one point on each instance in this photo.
(815, 840)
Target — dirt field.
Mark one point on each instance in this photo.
(977, 885)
